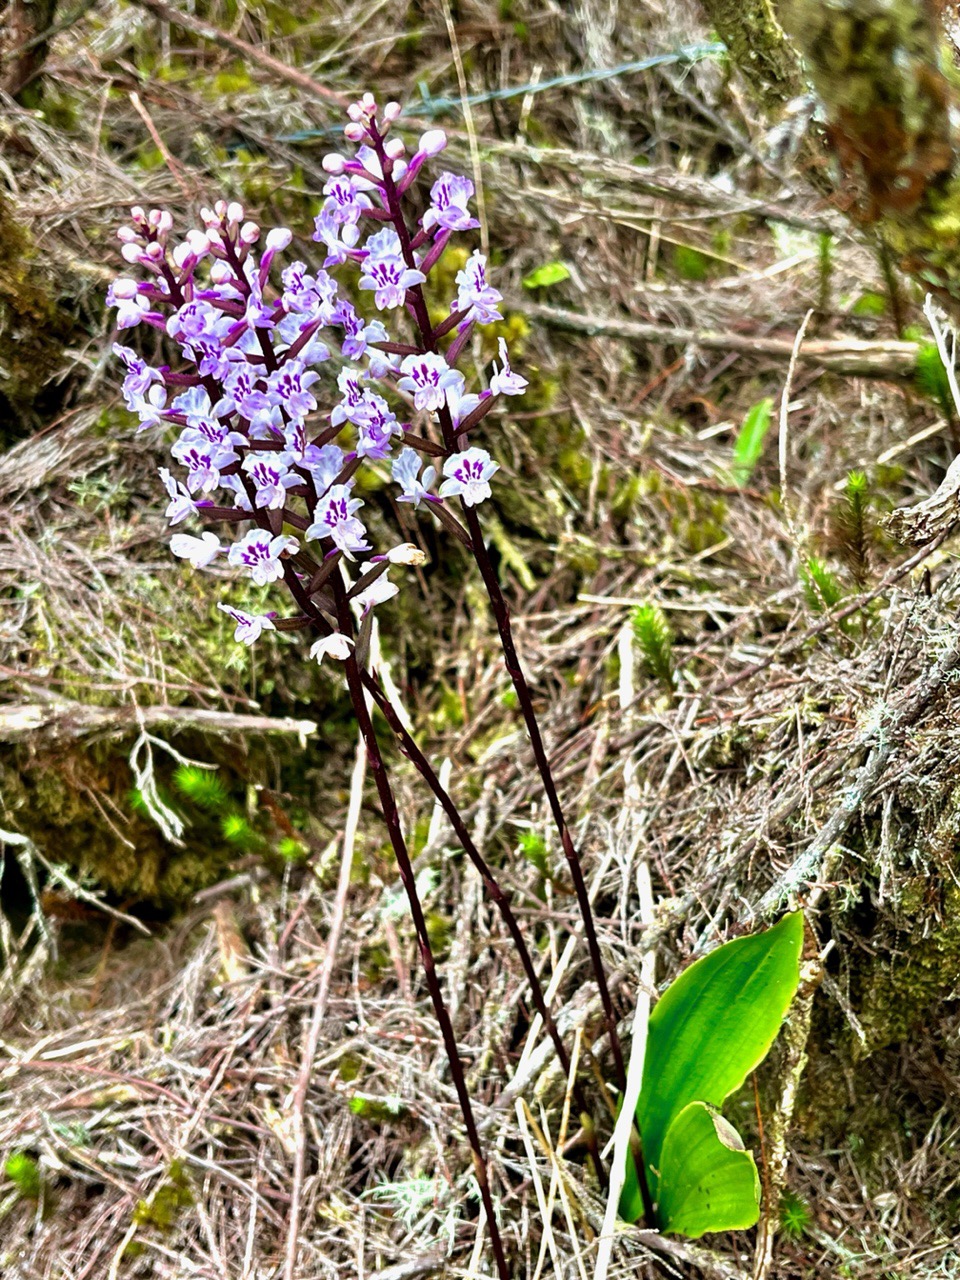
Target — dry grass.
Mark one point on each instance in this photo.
(154, 1080)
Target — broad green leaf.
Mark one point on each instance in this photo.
(708, 1031)
(708, 1182)
(749, 443)
(549, 273)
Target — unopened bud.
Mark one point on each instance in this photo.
(234, 213)
(249, 233)
(124, 287)
(278, 239)
(392, 111)
(128, 235)
(432, 142)
(395, 148)
(355, 132)
(220, 272)
(333, 163)
(131, 251)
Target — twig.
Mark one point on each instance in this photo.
(851, 356)
(63, 720)
(320, 1008)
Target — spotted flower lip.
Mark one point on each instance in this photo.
(271, 475)
(468, 476)
(448, 211)
(429, 378)
(260, 554)
(250, 626)
(335, 519)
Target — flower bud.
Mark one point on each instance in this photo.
(432, 142)
(355, 132)
(221, 272)
(128, 235)
(333, 163)
(131, 251)
(392, 112)
(137, 215)
(124, 287)
(220, 208)
(165, 222)
(234, 213)
(198, 242)
(153, 251)
(395, 148)
(406, 554)
(249, 233)
(278, 239)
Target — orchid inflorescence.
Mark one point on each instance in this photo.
(257, 450)
(253, 440)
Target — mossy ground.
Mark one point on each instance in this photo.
(174, 1058)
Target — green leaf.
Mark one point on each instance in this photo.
(749, 443)
(549, 273)
(708, 1181)
(708, 1031)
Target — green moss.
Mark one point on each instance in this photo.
(24, 1172)
(165, 1206)
(34, 329)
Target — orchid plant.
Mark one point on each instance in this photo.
(257, 455)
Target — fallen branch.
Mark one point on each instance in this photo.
(62, 720)
(851, 356)
(889, 734)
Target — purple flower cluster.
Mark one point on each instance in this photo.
(252, 442)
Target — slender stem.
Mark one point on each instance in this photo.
(413, 753)
(502, 615)
(355, 684)
(405, 866)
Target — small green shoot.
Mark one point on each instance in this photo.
(654, 638)
(235, 829)
(853, 528)
(869, 304)
(542, 277)
(749, 442)
(24, 1172)
(932, 381)
(796, 1216)
(690, 263)
(534, 849)
(202, 786)
(821, 587)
